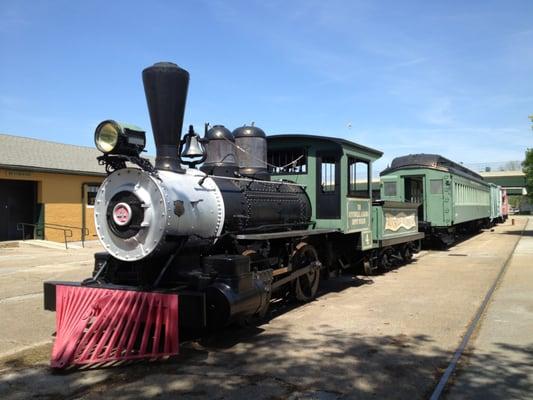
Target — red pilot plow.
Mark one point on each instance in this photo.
(100, 326)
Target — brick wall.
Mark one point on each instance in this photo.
(63, 200)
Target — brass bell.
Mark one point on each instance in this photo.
(193, 147)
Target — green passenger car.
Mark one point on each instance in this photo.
(337, 176)
(452, 198)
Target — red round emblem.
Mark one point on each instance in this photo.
(121, 214)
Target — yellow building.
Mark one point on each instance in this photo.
(48, 189)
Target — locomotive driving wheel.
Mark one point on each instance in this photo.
(306, 285)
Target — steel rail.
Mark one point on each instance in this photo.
(437, 392)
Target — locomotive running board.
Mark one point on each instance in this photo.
(286, 234)
(96, 326)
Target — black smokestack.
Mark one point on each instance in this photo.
(165, 86)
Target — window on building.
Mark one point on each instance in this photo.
(287, 161)
(358, 178)
(389, 189)
(90, 191)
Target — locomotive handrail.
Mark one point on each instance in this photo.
(234, 178)
(67, 230)
(273, 226)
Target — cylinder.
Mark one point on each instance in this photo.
(236, 293)
(251, 152)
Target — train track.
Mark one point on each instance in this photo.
(452, 366)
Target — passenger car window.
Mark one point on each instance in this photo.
(435, 186)
(389, 188)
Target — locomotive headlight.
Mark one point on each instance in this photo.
(106, 136)
(112, 137)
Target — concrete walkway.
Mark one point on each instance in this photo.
(500, 363)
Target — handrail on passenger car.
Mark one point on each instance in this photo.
(67, 231)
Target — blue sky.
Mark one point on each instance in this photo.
(452, 77)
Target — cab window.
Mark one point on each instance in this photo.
(358, 178)
(328, 181)
(287, 161)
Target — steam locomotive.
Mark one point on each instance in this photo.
(188, 248)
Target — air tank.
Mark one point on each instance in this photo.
(221, 152)
(251, 152)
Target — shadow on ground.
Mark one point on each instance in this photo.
(519, 233)
(253, 363)
(436, 245)
(506, 373)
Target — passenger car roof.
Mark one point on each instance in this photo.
(433, 161)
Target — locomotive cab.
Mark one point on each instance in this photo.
(337, 175)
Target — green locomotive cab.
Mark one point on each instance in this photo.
(452, 198)
(336, 174)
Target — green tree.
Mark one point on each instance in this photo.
(527, 167)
